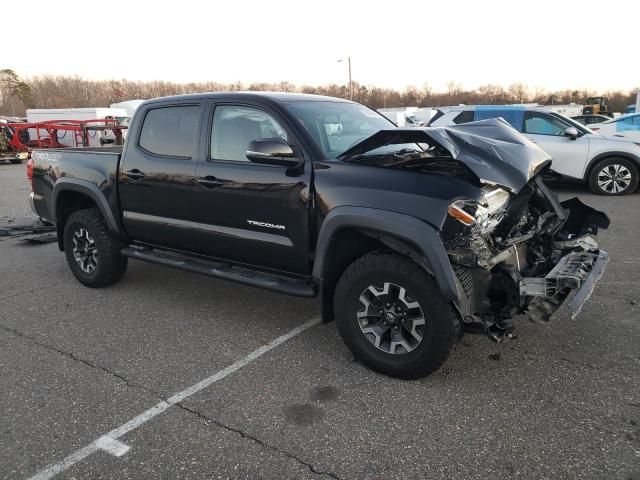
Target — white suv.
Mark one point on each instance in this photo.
(610, 165)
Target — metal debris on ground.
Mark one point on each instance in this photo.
(35, 232)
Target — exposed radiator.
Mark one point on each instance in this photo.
(464, 275)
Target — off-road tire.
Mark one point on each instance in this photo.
(16, 161)
(442, 324)
(111, 265)
(628, 164)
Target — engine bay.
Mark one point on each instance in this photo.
(521, 253)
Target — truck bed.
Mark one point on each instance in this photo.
(110, 149)
(90, 167)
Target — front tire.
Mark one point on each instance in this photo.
(92, 252)
(391, 315)
(614, 176)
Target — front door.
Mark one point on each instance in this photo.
(252, 213)
(548, 132)
(157, 177)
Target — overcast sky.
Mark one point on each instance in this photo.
(552, 44)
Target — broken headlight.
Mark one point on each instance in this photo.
(482, 216)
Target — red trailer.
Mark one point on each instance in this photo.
(46, 133)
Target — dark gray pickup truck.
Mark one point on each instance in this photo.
(409, 236)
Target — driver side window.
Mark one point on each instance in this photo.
(235, 126)
(542, 124)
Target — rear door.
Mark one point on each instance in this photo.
(548, 132)
(251, 213)
(157, 176)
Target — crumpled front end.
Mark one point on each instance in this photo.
(525, 252)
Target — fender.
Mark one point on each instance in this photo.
(428, 249)
(602, 156)
(92, 191)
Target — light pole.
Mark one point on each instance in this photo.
(350, 83)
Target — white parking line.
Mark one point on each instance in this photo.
(110, 443)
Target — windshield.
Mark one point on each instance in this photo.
(337, 126)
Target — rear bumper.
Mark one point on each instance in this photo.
(575, 272)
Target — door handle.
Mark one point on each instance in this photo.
(135, 174)
(210, 182)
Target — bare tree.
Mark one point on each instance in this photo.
(61, 91)
(518, 92)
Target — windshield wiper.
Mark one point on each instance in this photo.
(398, 153)
(362, 156)
(404, 151)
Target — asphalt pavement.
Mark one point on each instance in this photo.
(109, 379)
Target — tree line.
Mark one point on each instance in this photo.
(55, 91)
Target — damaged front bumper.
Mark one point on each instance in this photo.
(528, 258)
(578, 271)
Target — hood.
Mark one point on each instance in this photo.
(615, 137)
(493, 150)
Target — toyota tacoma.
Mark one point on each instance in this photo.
(410, 237)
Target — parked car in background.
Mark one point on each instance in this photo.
(590, 119)
(408, 235)
(609, 164)
(108, 135)
(625, 126)
(7, 152)
(407, 116)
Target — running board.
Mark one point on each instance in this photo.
(226, 271)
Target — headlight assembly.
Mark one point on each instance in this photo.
(481, 216)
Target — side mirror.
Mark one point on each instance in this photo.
(571, 132)
(272, 151)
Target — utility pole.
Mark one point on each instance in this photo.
(350, 82)
(637, 100)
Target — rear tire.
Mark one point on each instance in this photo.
(92, 252)
(614, 176)
(392, 316)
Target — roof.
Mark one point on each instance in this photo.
(281, 97)
(522, 108)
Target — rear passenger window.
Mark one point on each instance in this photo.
(464, 117)
(170, 131)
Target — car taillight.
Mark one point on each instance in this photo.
(30, 172)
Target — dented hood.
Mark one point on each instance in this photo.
(493, 150)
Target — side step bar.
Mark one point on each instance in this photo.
(269, 281)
